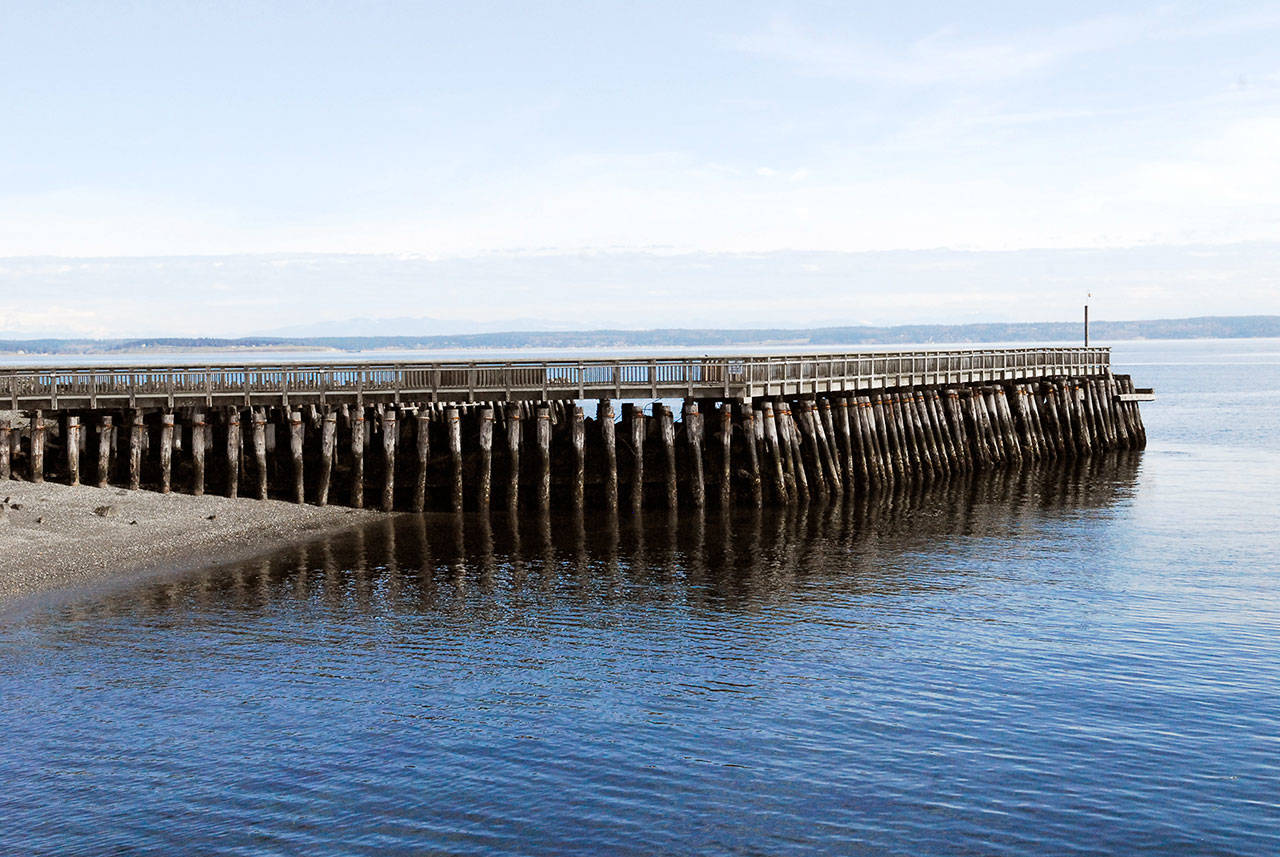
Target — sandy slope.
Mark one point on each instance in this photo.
(50, 536)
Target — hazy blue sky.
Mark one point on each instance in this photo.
(457, 131)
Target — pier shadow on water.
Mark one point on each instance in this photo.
(717, 559)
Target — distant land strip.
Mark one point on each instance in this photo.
(1204, 327)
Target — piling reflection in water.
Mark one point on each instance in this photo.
(728, 559)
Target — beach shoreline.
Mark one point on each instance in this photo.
(59, 537)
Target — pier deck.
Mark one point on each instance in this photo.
(735, 377)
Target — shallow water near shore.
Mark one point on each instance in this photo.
(1078, 658)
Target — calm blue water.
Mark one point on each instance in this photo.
(1072, 660)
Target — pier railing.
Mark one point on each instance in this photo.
(523, 380)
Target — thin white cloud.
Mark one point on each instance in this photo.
(948, 56)
(942, 56)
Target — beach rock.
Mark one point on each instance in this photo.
(17, 507)
(106, 511)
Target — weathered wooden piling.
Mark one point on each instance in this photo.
(1097, 404)
(453, 430)
(750, 418)
(911, 463)
(5, 434)
(542, 437)
(899, 430)
(1008, 432)
(848, 448)
(1070, 409)
(390, 428)
(135, 450)
(667, 431)
(1137, 431)
(1014, 400)
(880, 429)
(937, 440)
(1097, 427)
(692, 420)
(726, 455)
(825, 461)
(6, 471)
(166, 452)
(1079, 418)
(866, 458)
(328, 444)
(954, 409)
(1124, 431)
(985, 402)
(928, 442)
(1037, 422)
(829, 446)
(636, 419)
(861, 424)
(513, 427)
(234, 441)
(794, 453)
(984, 433)
(578, 443)
(605, 415)
(778, 449)
(1047, 402)
(36, 428)
(296, 429)
(260, 452)
(1123, 437)
(942, 429)
(72, 437)
(484, 461)
(198, 440)
(882, 432)
(920, 441)
(810, 456)
(15, 451)
(1089, 414)
(356, 427)
(773, 454)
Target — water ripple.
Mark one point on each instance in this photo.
(1028, 666)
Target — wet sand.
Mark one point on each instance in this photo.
(51, 537)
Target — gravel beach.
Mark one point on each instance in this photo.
(57, 536)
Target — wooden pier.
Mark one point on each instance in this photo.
(465, 435)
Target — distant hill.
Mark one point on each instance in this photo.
(1205, 327)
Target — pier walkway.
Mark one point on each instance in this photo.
(745, 377)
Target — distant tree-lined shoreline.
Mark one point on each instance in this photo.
(1205, 327)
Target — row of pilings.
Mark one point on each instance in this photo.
(775, 450)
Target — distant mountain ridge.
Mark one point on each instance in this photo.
(1203, 327)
